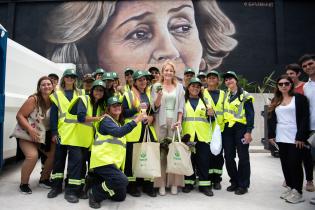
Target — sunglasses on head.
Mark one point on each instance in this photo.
(281, 84)
(128, 73)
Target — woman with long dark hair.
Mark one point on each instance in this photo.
(288, 126)
(39, 104)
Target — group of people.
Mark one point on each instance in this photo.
(97, 126)
(291, 122)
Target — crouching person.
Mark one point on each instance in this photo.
(108, 155)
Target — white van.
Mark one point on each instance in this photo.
(23, 69)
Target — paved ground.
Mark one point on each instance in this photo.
(263, 195)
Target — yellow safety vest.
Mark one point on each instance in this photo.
(218, 108)
(107, 150)
(76, 133)
(61, 101)
(195, 122)
(134, 135)
(234, 111)
(126, 88)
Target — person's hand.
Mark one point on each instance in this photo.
(272, 141)
(54, 139)
(34, 134)
(210, 112)
(119, 88)
(139, 117)
(176, 124)
(299, 144)
(150, 120)
(248, 137)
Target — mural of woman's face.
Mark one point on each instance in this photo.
(143, 33)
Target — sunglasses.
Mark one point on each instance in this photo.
(70, 76)
(286, 84)
(128, 73)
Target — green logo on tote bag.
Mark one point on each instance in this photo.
(177, 155)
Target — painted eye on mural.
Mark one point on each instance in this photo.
(139, 35)
(183, 29)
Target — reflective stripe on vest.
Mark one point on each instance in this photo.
(231, 115)
(195, 122)
(110, 141)
(107, 150)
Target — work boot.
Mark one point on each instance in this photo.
(133, 190)
(71, 198)
(54, 192)
(231, 188)
(92, 202)
(217, 186)
(206, 190)
(240, 191)
(188, 188)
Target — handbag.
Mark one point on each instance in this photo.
(216, 138)
(146, 158)
(178, 157)
(35, 120)
(311, 139)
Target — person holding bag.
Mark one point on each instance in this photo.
(37, 107)
(214, 98)
(238, 116)
(108, 154)
(137, 101)
(289, 125)
(196, 124)
(169, 100)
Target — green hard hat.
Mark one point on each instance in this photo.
(129, 69)
(99, 83)
(189, 70)
(115, 75)
(139, 73)
(201, 74)
(99, 71)
(230, 74)
(213, 72)
(113, 100)
(194, 80)
(107, 76)
(69, 72)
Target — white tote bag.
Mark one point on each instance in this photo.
(146, 158)
(178, 157)
(216, 138)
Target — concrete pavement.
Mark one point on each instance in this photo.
(266, 181)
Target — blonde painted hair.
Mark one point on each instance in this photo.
(74, 29)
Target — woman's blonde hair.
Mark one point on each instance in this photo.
(74, 28)
(168, 63)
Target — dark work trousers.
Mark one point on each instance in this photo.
(291, 163)
(86, 154)
(308, 163)
(201, 162)
(216, 167)
(113, 186)
(231, 140)
(74, 168)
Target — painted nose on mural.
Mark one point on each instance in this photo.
(165, 50)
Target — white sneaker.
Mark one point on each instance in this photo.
(312, 201)
(295, 197)
(286, 193)
(174, 190)
(162, 191)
